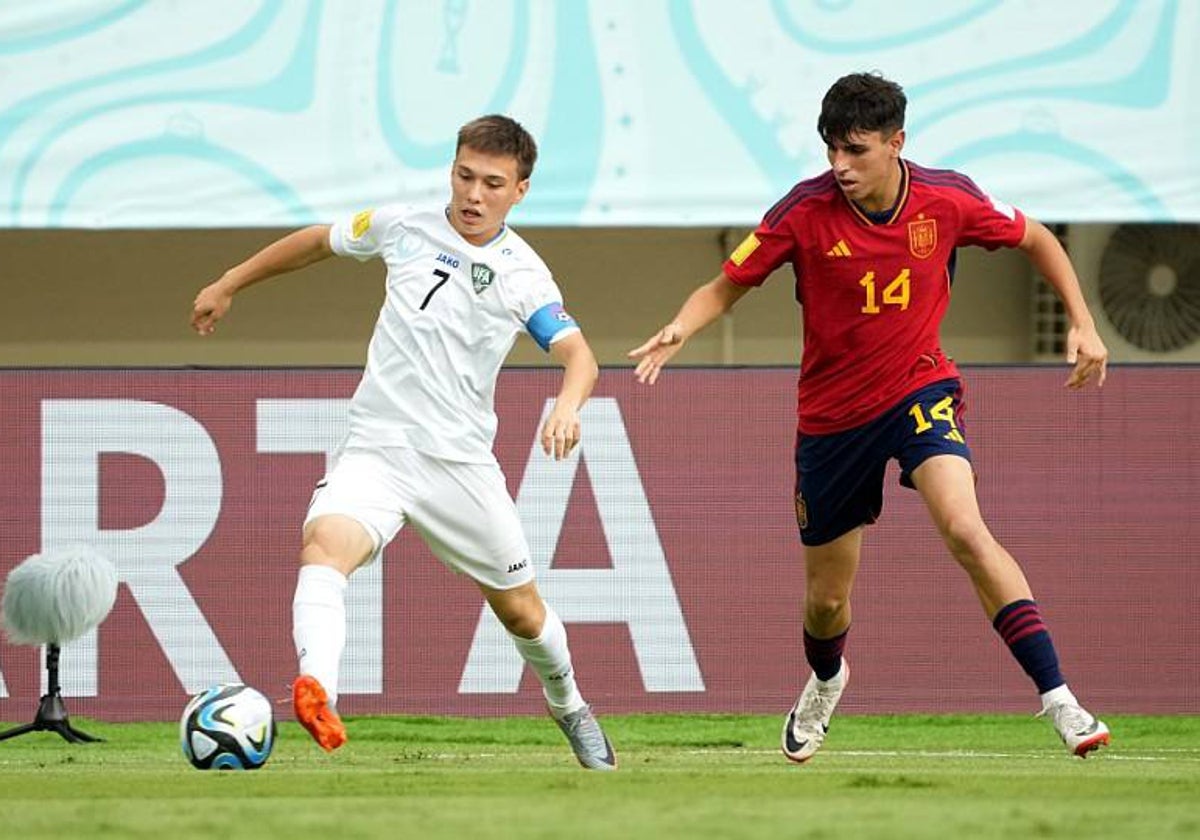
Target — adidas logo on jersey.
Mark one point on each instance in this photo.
(841, 249)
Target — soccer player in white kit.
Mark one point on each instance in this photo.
(460, 285)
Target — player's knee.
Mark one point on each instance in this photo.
(520, 610)
(968, 540)
(336, 541)
(520, 618)
(823, 608)
(525, 625)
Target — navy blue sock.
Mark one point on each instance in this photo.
(1020, 625)
(825, 655)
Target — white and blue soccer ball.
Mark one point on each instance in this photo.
(227, 727)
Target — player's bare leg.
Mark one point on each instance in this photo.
(333, 547)
(947, 484)
(829, 572)
(539, 635)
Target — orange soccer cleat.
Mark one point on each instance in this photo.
(311, 704)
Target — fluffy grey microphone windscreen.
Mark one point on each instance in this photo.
(57, 596)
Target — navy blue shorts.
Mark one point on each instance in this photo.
(839, 477)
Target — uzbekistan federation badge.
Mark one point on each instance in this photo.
(481, 276)
(922, 237)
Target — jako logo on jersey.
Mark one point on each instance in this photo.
(841, 249)
(922, 237)
(481, 276)
(448, 260)
(516, 567)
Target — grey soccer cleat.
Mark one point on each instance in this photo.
(587, 739)
(806, 725)
(1079, 730)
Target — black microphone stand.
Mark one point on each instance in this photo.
(51, 714)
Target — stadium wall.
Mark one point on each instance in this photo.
(667, 544)
(124, 297)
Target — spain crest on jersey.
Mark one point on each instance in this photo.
(481, 276)
(922, 238)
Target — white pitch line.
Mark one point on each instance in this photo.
(883, 753)
(1104, 755)
(1177, 755)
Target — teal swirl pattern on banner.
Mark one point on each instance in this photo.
(440, 77)
(69, 21)
(236, 113)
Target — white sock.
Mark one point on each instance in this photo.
(1055, 696)
(551, 661)
(319, 624)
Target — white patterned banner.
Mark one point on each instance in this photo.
(233, 113)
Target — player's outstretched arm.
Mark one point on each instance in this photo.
(562, 430)
(1085, 348)
(702, 307)
(296, 250)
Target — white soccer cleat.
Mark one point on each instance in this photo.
(1079, 730)
(588, 741)
(806, 725)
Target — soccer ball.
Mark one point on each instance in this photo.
(227, 727)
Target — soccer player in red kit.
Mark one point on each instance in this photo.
(872, 244)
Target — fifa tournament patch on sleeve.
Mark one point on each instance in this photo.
(361, 224)
(548, 323)
(742, 252)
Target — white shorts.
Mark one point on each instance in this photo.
(462, 511)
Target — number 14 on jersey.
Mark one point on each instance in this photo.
(895, 293)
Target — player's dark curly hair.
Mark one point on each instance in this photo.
(497, 134)
(861, 102)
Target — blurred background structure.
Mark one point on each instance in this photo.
(146, 145)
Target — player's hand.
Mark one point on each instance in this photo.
(656, 352)
(210, 306)
(1087, 352)
(561, 432)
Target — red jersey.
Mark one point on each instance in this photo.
(873, 293)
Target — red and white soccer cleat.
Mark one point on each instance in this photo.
(1081, 732)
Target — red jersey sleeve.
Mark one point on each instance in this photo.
(760, 253)
(989, 222)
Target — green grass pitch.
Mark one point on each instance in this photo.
(702, 776)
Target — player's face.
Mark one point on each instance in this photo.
(483, 188)
(865, 165)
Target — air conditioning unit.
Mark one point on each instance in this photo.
(1142, 284)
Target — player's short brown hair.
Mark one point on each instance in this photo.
(861, 102)
(497, 134)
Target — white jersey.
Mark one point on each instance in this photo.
(450, 316)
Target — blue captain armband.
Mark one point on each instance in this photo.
(548, 323)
